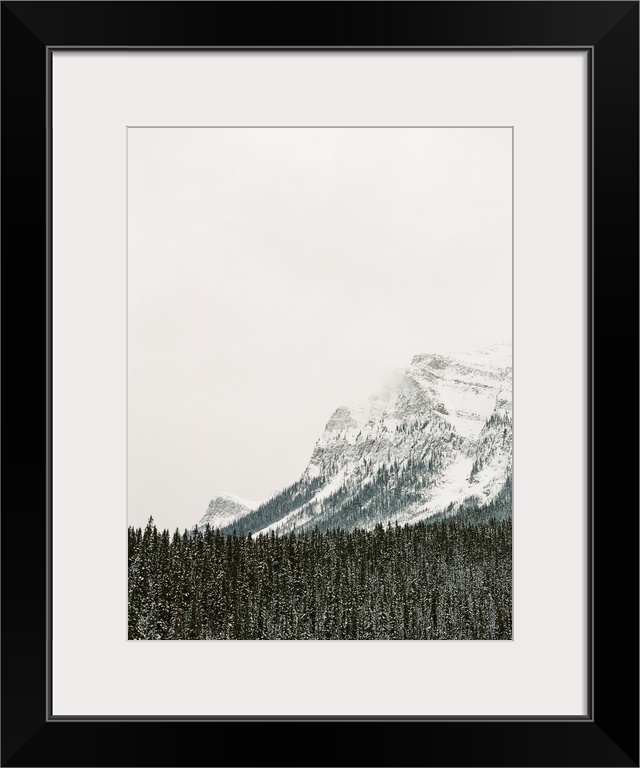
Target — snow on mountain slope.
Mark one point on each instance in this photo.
(440, 434)
(226, 509)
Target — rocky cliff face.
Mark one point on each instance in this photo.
(437, 437)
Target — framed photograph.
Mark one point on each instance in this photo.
(319, 442)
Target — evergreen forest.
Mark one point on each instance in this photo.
(448, 579)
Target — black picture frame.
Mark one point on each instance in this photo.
(608, 736)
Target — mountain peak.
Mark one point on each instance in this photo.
(498, 354)
(226, 509)
(432, 359)
(237, 500)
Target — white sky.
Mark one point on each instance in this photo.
(277, 273)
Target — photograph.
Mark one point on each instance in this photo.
(319, 383)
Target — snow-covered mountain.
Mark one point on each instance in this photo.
(437, 438)
(225, 509)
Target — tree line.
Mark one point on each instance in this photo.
(448, 580)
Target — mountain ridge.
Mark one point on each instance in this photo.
(437, 438)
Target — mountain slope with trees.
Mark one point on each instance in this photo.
(438, 438)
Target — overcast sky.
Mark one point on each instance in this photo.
(277, 273)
